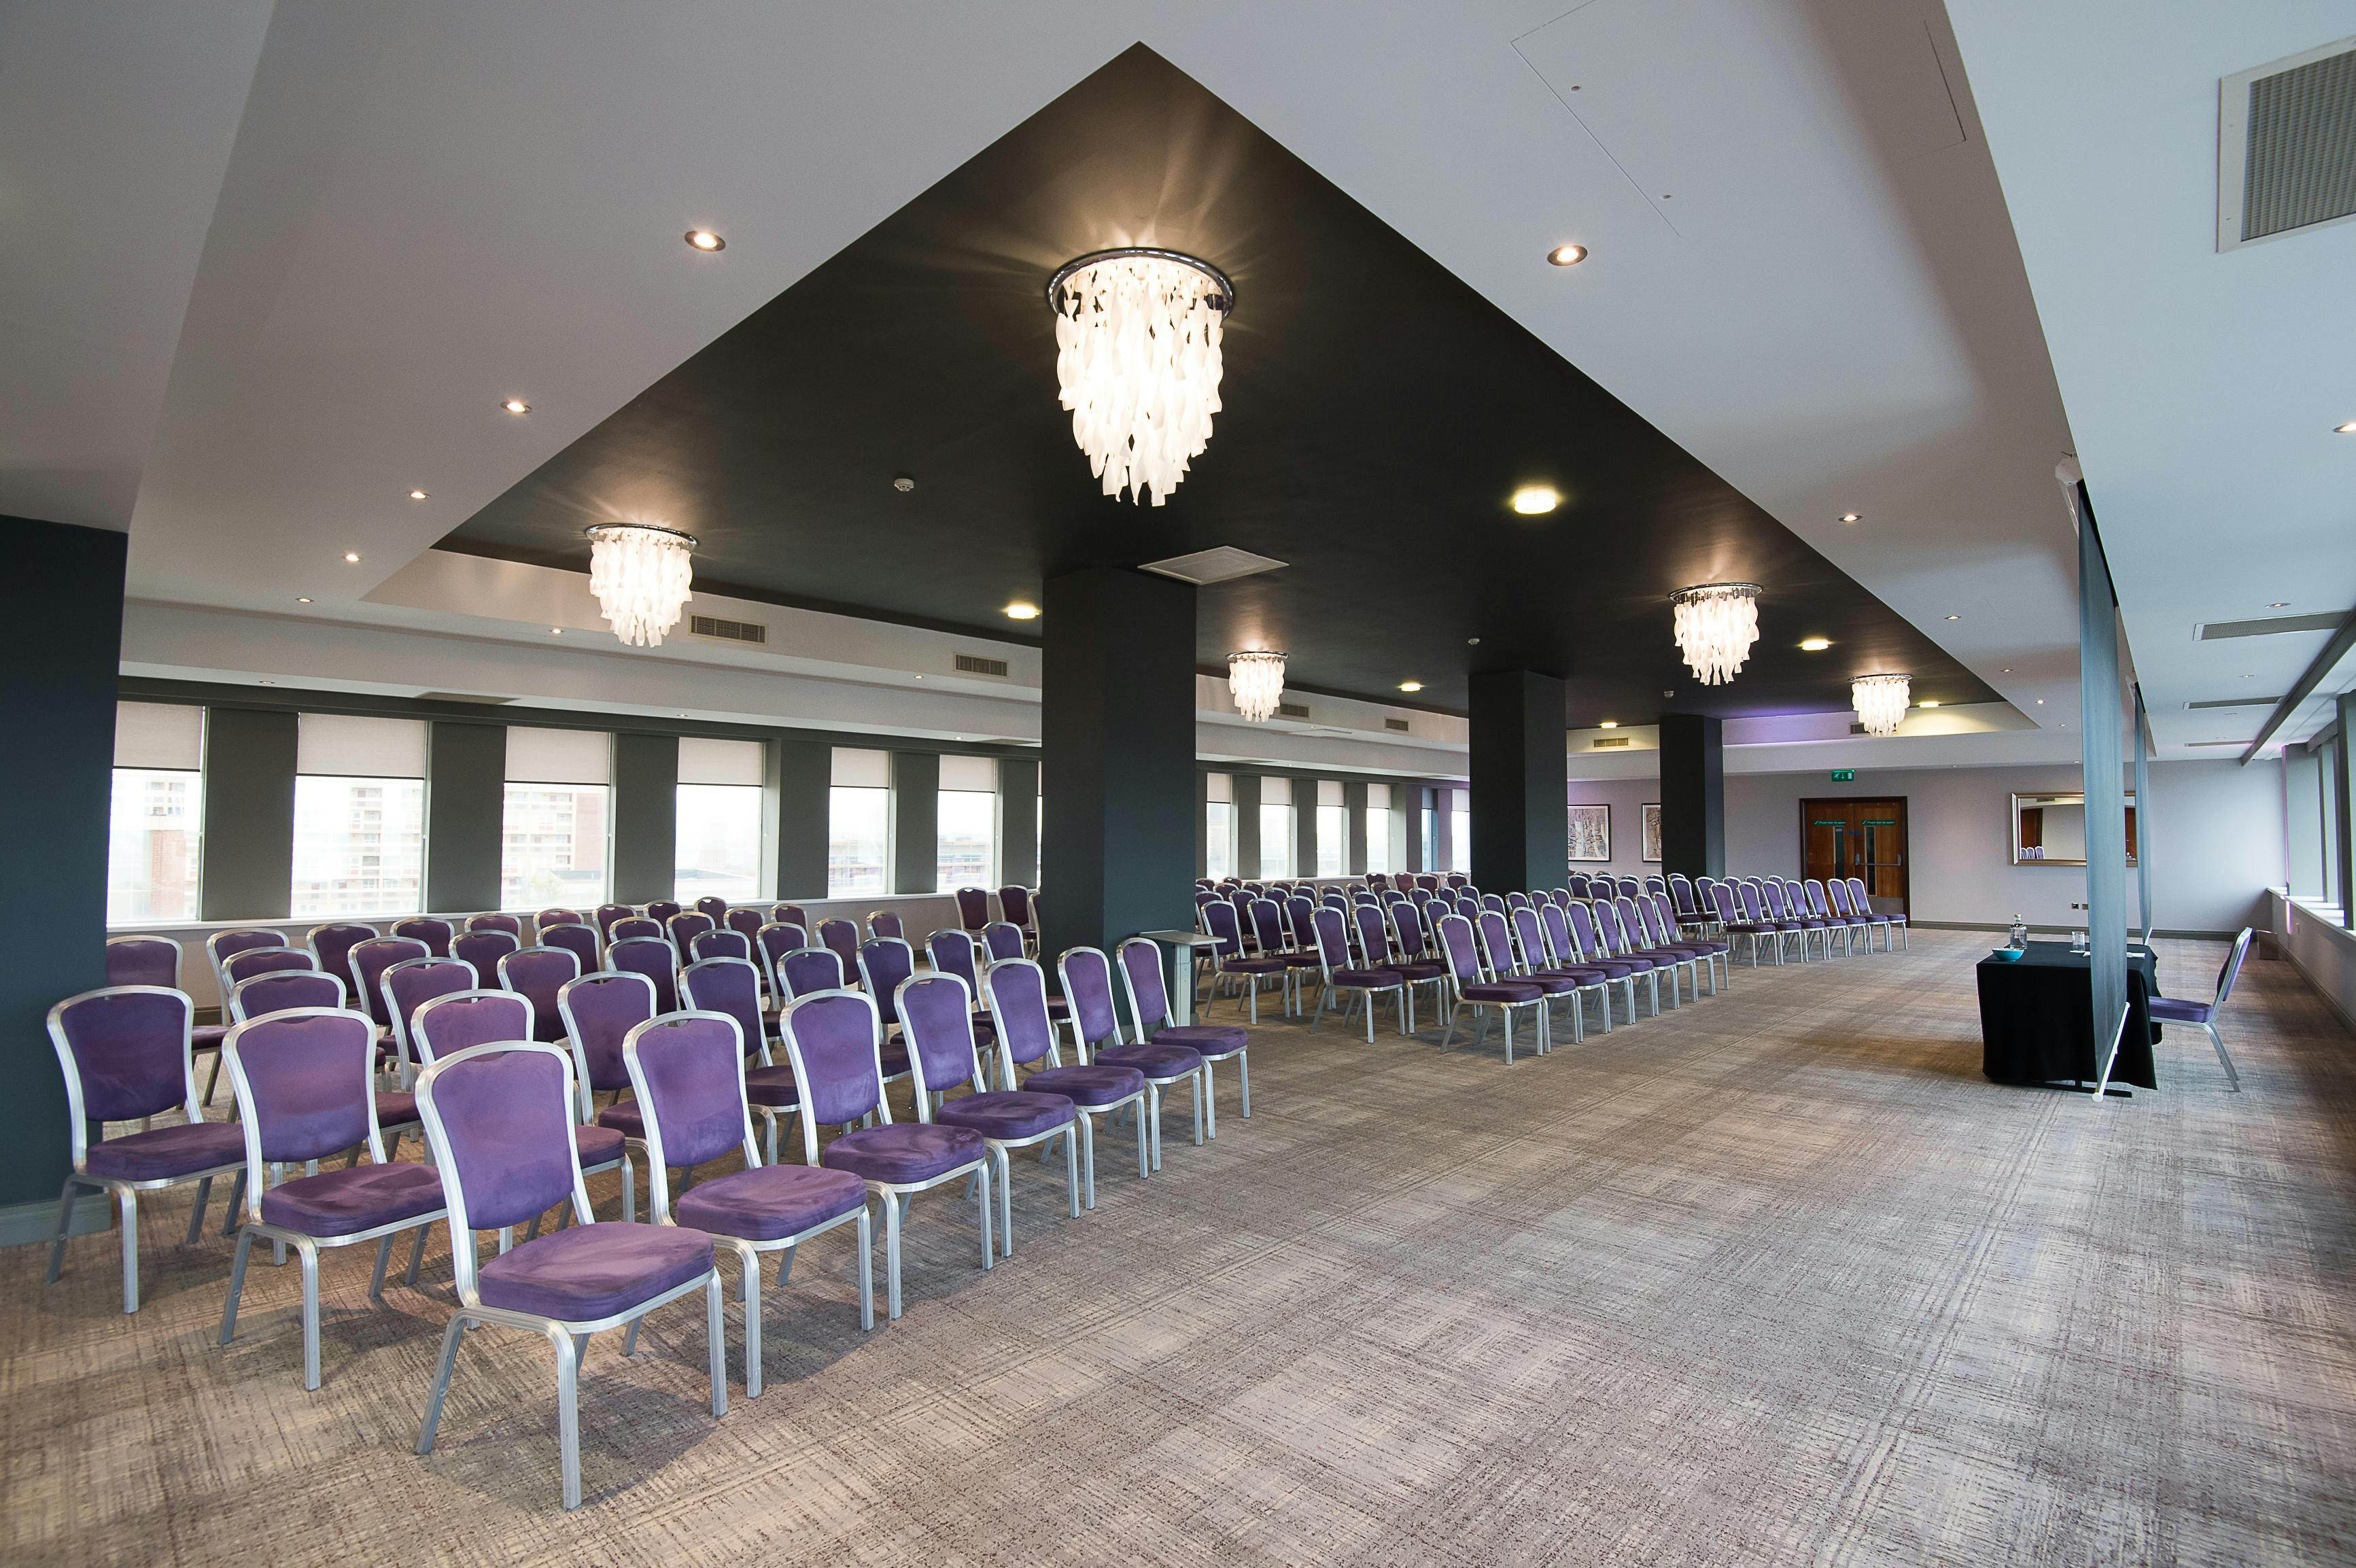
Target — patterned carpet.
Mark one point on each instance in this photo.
(1778, 1279)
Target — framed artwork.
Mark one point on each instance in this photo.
(1590, 833)
(1651, 833)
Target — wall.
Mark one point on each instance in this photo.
(2320, 949)
(1626, 797)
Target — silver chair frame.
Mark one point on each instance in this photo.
(1136, 1104)
(1240, 1056)
(1457, 999)
(770, 1114)
(1156, 1089)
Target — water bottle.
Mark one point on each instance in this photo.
(2018, 937)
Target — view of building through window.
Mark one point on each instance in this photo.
(1459, 840)
(359, 846)
(965, 824)
(1276, 837)
(154, 832)
(717, 843)
(552, 842)
(859, 823)
(1333, 840)
(1378, 838)
(1219, 839)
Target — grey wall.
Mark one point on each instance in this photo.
(794, 790)
(915, 823)
(249, 844)
(1018, 822)
(466, 809)
(645, 816)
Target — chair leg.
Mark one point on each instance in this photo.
(236, 1285)
(1136, 1114)
(307, 1258)
(1208, 1089)
(384, 1257)
(1087, 1130)
(197, 1217)
(1153, 1114)
(989, 1252)
(1071, 1175)
(416, 1254)
(2233, 1079)
(568, 1415)
(440, 1383)
(129, 1203)
(1202, 1084)
(751, 1269)
(716, 1340)
(1005, 1201)
(236, 1202)
(65, 1223)
(1243, 1077)
(866, 1270)
(891, 1257)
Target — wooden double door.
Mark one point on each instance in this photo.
(1860, 839)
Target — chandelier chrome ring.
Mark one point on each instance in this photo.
(1714, 590)
(594, 529)
(1224, 302)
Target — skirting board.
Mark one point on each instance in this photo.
(24, 1223)
(2322, 996)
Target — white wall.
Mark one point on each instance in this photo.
(1626, 797)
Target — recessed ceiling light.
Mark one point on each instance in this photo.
(352, 555)
(516, 406)
(1410, 686)
(1851, 517)
(903, 484)
(265, 681)
(2041, 702)
(1609, 724)
(1534, 500)
(300, 600)
(1926, 704)
(1955, 617)
(2006, 670)
(2347, 429)
(705, 239)
(1472, 642)
(1567, 255)
(1022, 611)
(417, 495)
(556, 631)
(2278, 605)
(1814, 645)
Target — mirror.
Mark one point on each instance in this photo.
(2050, 829)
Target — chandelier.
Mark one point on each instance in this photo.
(1715, 625)
(640, 573)
(1137, 340)
(1256, 680)
(1880, 701)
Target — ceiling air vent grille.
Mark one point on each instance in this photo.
(2216, 743)
(2210, 630)
(1399, 724)
(1204, 566)
(2287, 145)
(2233, 702)
(974, 664)
(1292, 710)
(1607, 742)
(721, 630)
(459, 697)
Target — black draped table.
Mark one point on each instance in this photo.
(2037, 1018)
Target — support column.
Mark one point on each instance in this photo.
(249, 846)
(915, 823)
(1693, 796)
(1117, 725)
(1353, 811)
(2100, 722)
(2340, 804)
(1304, 827)
(1245, 788)
(1018, 821)
(1440, 797)
(795, 782)
(465, 810)
(645, 817)
(1521, 781)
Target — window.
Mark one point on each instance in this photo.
(1460, 832)
(156, 823)
(1333, 828)
(1276, 827)
(1379, 827)
(1219, 825)
(1430, 835)
(716, 840)
(964, 825)
(859, 823)
(359, 816)
(557, 819)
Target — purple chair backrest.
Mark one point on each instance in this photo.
(687, 926)
(1240, 900)
(579, 939)
(1332, 938)
(748, 921)
(1016, 989)
(1374, 933)
(806, 970)
(1554, 920)
(952, 952)
(1004, 939)
(1859, 897)
(1301, 918)
(1582, 926)
(1219, 921)
(1496, 942)
(434, 933)
(484, 949)
(599, 1012)
(652, 957)
(884, 923)
(1088, 985)
(776, 939)
(125, 1052)
(220, 944)
(2232, 969)
(835, 1044)
(540, 974)
(1517, 900)
(1530, 937)
(662, 909)
(1747, 899)
(413, 982)
(608, 914)
(448, 1025)
(370, 960)
(1632, 922)
(553, 917)
(1141, 977)
(936, 1020)
(501, 1124)
(720, 944)
(245, 965)
(1407, 934)
(634, 926)
(790, 914)
(1456, 947)
(1681, 890)
(841, 938)
(688, 1071)
(143, 961)
(1837, 891)
(305, 1082)
(883, 965)
(512, 924)
(973, 907)
(332, 945)
(1420, 896)
(1608, 926)
(713, 907)
(1014, 902)
(731, 988)
(1268, 925)
(1204, 896)
(267, 993)
(1771, 900)
(1818, 906)
(1661, 918)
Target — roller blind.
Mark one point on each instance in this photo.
(1378, 796)
(347, 747)
(857, 769)
(707, 762)
(1220, 787)
(1329, 793)
(1275, 792)
(560, 756)
(978, 774)
(158, 735)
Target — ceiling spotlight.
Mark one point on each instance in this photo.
(556, 631)
(1534, 500)
(1021, 611)
(1567, 255)
(1814, 645)
(417, 495)
(1850, 518)
(1472, 642)
(352, 555)
(903, 484)
(299, 599)
(2347, 429)
(516, 406)
(1955, 617)
(2278, 605)
(2006, 670)
(1137, 362)
(1926, 704)
(2041, 702)
(705, 239)
(1410, 686)
(1609, 724)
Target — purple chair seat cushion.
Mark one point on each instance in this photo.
(1502, 991)
(207, 1037)
(1097, 1085)
(770, 1203)
(903, 1152)
(597, 1146)
(1370, 979)
(1007, 1114)
(1585, 973)
(1276, 963)
(1552, 984)
(337, 1202)
(1161, 1063)
(625, 1117)
(164, 1152)
(1059, 1007)
(1417, 969)
(1885, 919)
(772, 1086)
(1209, 1040)
(588, 1272)
(1615, 969)
(2181, 1012)
(395, 1108)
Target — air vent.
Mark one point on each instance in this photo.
(1205, 566)
(1399, 724)
(1607, 742)
(460, 697)
(1292, 710)
(2233, 702)
(2216, 743)
(2210, 630)
(2287, 146)
(721, 630)
(974, 664)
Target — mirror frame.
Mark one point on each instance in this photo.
(2061, 797)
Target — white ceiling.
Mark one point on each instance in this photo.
(435, 204)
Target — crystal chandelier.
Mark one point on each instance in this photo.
(1880, 701)
(640, 573)
(1715, 625)
(1256, 679)
(1137, 340)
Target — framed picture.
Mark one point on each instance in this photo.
(1590, 833)
(1651, 833)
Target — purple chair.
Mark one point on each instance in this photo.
(685, 926)
(1734, 922)
(1272, 931)
(1086, 974)
(652, 957)
(578, 938)
(688, 1070)
(499, 1118)
(973, 907)
(1661, 925)
(281, 991)
(143, 961)
(1830, 900)
(1014, 904)
(1232, 964)
(493, 921)
(1863, 903)
(435, 934)
(731, 988)
(1148, 1012)
(484, 949)
(305, 1080)
(539, 974)
(1004, 940)
(1338, 973)
(834, 1041)
(126, 1055)
(936, 1019)
(608, 914)
(1588, 952)
(409, 985)
(662, 909)
(222, 944)
(370, 960)
(1016, 991)
(634, 925)
(1642, 941)
(1469, 984)
(714, 908)
(805, 971)
(883, 965)
(720, 944)
(885, 922)
(549, 918)
(956, 953)
(1417, 963)
(1614, 939)
(240, 967)
(773, 942)
(1556, 954)
(599, 1012)
(1500, 958)
(746, 920)
(840, 937)
(448, 1025)
(2171, 1011)
(790, 914)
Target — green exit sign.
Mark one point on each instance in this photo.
(1844, 775)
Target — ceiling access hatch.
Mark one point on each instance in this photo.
(2287, 146)
(1204, 566)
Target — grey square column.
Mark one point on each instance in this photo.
(248, 844)
(1018, 821)
(1521, 781)
(466, 811)
(915, 823)
(1693, 796)
(795, 795)
(645, 817)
